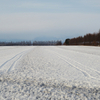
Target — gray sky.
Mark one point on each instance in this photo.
(48, 19)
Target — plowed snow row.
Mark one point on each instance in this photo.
(71, 72)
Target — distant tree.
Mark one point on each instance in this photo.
(88, 39)
(59, 43)
(98, 37)
(66, 42)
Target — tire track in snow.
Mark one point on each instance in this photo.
(63, 58)
(10, 60)
(15, 58)
(14, 63)
(9, 64)
(82, 64)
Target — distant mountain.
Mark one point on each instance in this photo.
(45, 38)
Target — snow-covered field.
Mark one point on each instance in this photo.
(49, 73)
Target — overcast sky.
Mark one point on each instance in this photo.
(48, 19)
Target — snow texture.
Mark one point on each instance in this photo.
(50, 73)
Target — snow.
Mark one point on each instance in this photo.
(10, 55)
(50, 73)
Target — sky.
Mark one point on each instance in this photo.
(48, 19)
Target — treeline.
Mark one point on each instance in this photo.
(29, 43)
(24, 43)
(47, 43)
(88, 39)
